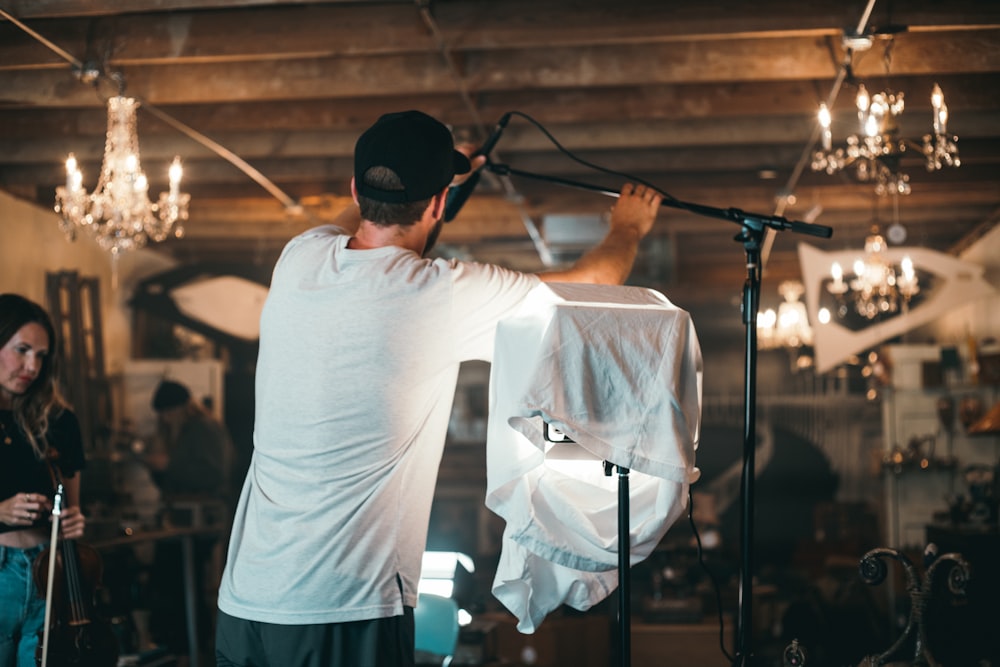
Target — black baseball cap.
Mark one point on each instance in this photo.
(421, 151)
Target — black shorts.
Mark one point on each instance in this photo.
(382, 642)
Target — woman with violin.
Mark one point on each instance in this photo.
(36, 426)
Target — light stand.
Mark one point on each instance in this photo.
(753, 227)
(624, 542)
(624, 578)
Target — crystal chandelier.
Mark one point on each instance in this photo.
(789, 326)
(875, 151)
(878, 288)
(118, 213)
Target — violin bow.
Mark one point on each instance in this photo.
(56, 513)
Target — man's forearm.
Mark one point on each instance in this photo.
(608, 263)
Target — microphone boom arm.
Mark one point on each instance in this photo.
(757, 221)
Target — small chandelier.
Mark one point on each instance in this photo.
(878, 288)
(118, 213)
(789, 326)
(875, 151)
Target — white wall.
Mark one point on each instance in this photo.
(32, 244)
(980, 319)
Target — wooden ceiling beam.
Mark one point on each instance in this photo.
(798, 102)
(170, 32)
(54, 8)
(634, 147)
(745, 62)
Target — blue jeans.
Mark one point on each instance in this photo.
(22, 609)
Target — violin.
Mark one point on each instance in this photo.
(70, 572)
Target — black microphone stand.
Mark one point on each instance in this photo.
(753, 227)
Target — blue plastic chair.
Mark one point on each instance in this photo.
(435, 621)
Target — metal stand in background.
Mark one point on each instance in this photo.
(624, 567)
(751, 239)
(754, 226)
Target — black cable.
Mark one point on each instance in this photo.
(711, 576)
(585, 163)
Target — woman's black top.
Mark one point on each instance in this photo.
(22, 472)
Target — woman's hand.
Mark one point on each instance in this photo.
(71, 523)
(23, 509)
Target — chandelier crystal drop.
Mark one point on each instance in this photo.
(119, 213)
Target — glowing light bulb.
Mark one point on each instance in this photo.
(176, 171)
(859, 267)
(907, 266)
(73, 176)
(824, 121)
(871, 126)
(862, 100)
(837, 272)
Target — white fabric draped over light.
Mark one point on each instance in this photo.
(619, 371)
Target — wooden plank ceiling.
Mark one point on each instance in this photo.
(714, 102)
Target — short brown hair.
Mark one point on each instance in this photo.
(385, 214)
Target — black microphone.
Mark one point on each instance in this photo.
(457, 196)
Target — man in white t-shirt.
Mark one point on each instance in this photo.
(361, 338)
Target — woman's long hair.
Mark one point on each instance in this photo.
(42, 399)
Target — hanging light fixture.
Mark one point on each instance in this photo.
(875, 151)
(789, 325)
(879, 288)
(118, 213)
